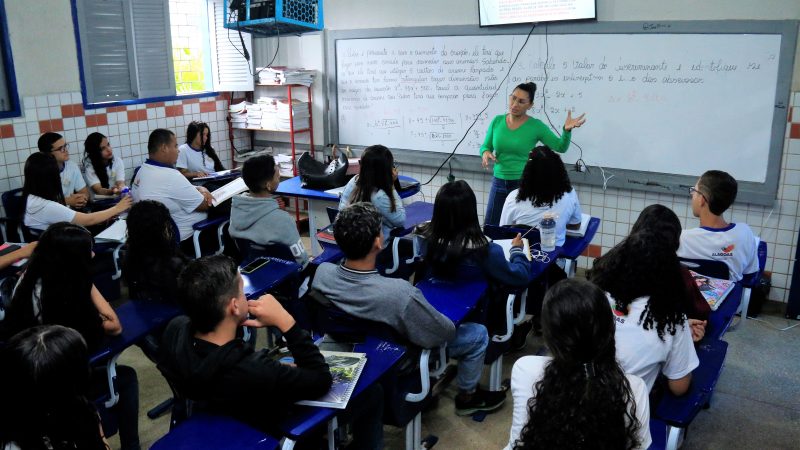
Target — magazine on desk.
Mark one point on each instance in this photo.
(346, 368)
(714, 290)
(326, 235)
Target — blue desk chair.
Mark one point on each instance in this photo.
(574, 246)
(218, 223)
(203, 431)
(249, 250)
(658, 435)
(15, 214)
(403, 407)
(678, 412)
(750, 281)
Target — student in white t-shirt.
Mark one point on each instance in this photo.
(158, 180)
(44, 199)
(76, 194)
(544, 187)
(197, 158)
(581, 394)
(642, 276)
(103, 171)
(732, 243)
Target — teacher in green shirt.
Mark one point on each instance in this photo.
(510, 139)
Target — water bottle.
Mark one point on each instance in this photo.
(547, 230)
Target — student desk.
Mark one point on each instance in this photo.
(381, 357)
(575, 245)
(720, 320)
(330, 253)
(201, 432)
(454, 299)
(416, 213)
(268, 276)
(316, 203)
(138, 318)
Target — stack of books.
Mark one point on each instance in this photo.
(238, 113)
(299, 112)
(279, 75)
(284, 163)
(254, 114)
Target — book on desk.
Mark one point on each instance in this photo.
(227, 191)
(714, 290)
(346, 368)
(581, 231)
(506, 245)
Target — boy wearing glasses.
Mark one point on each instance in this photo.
(715, 239)
(76, 193)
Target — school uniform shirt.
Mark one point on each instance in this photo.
(116, 172)
(735, 245)
(389, 219)
(71, 179)
(41, 213)
(530, 369)
(162, 183)
(194, 160)
(567, 210)
(642, 353)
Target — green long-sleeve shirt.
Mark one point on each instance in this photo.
(511, 147)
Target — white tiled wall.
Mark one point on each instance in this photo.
(618, 209)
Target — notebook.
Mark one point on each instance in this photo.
(346, 368)
(581, 232)
(506, 244)
(714, 290)
(215, 175)
(116, 232)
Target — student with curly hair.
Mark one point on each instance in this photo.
(662, 221)
(545, 187)
(44, 384)
(579, 398)
(642, 276)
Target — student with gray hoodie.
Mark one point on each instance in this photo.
(256, 216)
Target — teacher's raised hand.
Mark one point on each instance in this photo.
(485, 157)
(571, 123)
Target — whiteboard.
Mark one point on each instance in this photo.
(666, 103)
(647, 135)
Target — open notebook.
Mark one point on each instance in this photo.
(116, 232)
(506, 244)
(581, 232)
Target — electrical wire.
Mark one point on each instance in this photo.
(477, 116)
(251, 69)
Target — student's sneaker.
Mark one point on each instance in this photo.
(480, 401)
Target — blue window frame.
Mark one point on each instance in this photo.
(9, 98)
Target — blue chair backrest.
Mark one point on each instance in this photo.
(332, 213)
(12, 204)
(707, 267)
(249, 250)
(327, 318)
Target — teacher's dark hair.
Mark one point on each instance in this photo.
(544, 179)
(375, 173)
(583, 400)
(454, 231)
(529, 87)
(44, 384)
(93, 152)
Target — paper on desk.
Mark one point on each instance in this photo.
(236, 186)
(506, 245)
(117, 232)
(581, 232)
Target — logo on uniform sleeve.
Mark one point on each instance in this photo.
(726, 251)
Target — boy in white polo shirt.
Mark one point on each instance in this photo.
(76, 194)
(158, 180)
(715, 239)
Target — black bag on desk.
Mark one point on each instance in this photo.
(316, 175)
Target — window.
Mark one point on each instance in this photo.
(133, 51)
(9, 100)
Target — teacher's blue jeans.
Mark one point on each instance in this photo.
(497, 198)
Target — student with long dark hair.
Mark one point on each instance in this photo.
(44, 385)
(375, 184)
(57, 289)
(103, 171)
(256, 215)
(642, 276)
(579, 398)
(545, 187)
(154, 258)
(44, 199)
(662, 221)
(196, 157)
(454, 237)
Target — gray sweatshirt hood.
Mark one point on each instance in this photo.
(246, 211)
